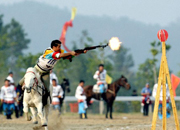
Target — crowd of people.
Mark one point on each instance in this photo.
(9, 98)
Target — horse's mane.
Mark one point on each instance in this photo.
(116, 84)
(34, 72)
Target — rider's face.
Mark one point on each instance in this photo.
(57, 48)
(101, 68)
(82, 84)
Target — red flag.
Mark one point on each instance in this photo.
(65, 27)
(63, 34)
(175, 82)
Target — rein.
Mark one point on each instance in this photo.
(35, 83)
(113, 91)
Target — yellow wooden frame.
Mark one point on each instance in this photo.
(163, 74)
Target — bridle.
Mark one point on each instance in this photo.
(36, 83)
(118, 86)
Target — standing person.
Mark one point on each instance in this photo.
(134, 93)
(56, 94)
(53, 76)
(8, 97)
(80, 95)
(10, 78)
(161, 99)
(146, 93)
(20, 103)
(100, 76)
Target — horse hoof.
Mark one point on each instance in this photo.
(29, 118)
(35, 122)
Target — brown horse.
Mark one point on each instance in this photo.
(110, 94)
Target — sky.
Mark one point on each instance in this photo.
(162, 12)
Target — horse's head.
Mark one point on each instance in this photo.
(66, 85)
(124, 82)
(30, 81)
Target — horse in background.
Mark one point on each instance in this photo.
(66, 88)
(110, 95)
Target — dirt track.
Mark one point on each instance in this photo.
(71, 121)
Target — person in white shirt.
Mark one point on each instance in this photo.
(57, 93)
(100, 76)
(161, 99)
(8, 98)
(161, 93)
(10, 78)
(80, 95)
(53, 76)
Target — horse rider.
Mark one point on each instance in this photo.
(80, 95)
(8, 98)
(100, 76)
(47, 62)
(56, 94)
(53, 76)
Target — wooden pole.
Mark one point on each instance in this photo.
(172, 97)
(157, 98)
(164, 85)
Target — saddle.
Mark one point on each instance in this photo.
(96, 88)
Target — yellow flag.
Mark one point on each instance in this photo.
(73, 14)
(108, 79)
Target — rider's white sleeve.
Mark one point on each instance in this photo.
(96, 75)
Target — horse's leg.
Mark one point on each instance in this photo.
(25, 109)
(47, 107)
(107, 110)
(41, 114)
(111, 109)
(34, 113)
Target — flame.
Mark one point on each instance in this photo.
(114, 43)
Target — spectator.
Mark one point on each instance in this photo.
(146, 92)
(8, 97)
(53, 76)
(161, 99)
(134, 93)
(80, 95)
(57, 93)
(10, 78)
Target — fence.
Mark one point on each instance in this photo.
(124, 104)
